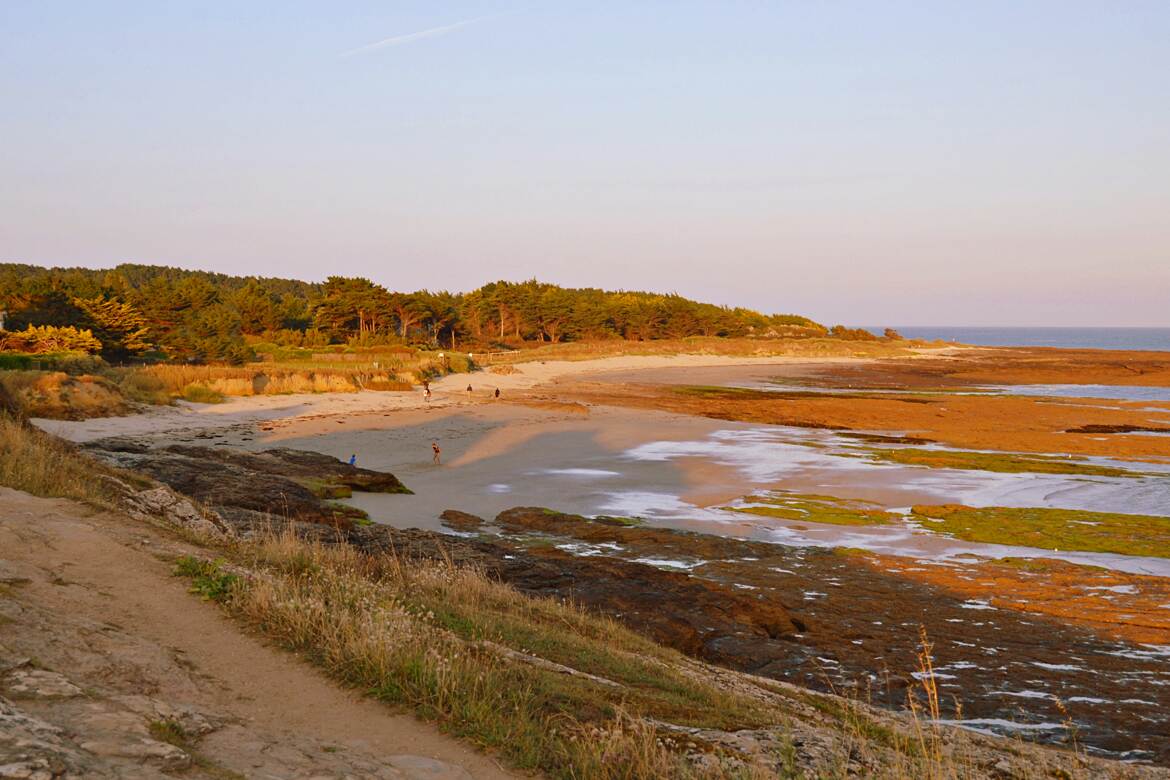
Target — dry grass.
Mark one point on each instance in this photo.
(233, 381)
(544, 684)
(555, 689)
(60, 396)
(37, 463)
(810, 347)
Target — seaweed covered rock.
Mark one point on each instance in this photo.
(248, 490)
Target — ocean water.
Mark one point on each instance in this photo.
(1087, 338)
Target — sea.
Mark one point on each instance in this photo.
(1084, 338)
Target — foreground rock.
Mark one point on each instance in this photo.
(109, 669)
(249, 490)
(852, 624)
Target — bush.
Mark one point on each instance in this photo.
(201, 394)
(207, 578)
(69, 362)
(143, 388)
(49, 338)
(58, 396)
(851, 334)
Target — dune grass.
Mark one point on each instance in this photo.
(544, 684)
(37, 463)
(704, 345)
(551, 688)
(61, 396)
(1059, 529)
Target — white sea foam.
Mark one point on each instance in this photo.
(577, 472)
(668, 563)
(1058, 667)
(998, 725)
(1023, 694)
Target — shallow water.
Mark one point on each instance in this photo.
(823, 462)
(1105, 392)
(1109, 392)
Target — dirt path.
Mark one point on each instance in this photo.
(98, 640)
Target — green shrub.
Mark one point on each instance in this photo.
(49, 338)
(207, 578)
(143, 388)
(201, 394)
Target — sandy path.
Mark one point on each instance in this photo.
(90, 570)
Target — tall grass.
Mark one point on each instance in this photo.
(58, 395)
(37, 463)
(266, 380)
(555, 689)
(700, 345)
(546, 685)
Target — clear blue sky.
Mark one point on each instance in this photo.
(860, 162)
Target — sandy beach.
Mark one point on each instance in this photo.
(580, 436)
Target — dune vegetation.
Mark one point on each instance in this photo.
(43, 465)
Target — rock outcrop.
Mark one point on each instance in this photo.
(244, 490)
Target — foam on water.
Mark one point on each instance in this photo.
(999, 725)
(767, 456)
(581, 472)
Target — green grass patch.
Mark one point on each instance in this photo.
(811, 508)
(1002, 462)
(1052, 529)
(624, 522)
(324, 487)
(207, 578)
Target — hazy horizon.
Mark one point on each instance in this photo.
(948, 165)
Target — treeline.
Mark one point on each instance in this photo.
(154, 312)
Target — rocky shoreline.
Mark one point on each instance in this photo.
(820, 619)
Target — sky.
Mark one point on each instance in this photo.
(962, 163)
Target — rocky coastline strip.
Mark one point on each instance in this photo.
(807, 616)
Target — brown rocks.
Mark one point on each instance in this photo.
(245, 489)
(460, 521)
(299, 464)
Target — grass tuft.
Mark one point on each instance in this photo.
(207, 578)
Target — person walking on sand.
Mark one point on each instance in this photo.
(497, 392)
(469, 392)
(437, 459)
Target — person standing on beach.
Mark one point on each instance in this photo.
(469, 392)
(497, 392)
(353, 459)
(437, 460)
